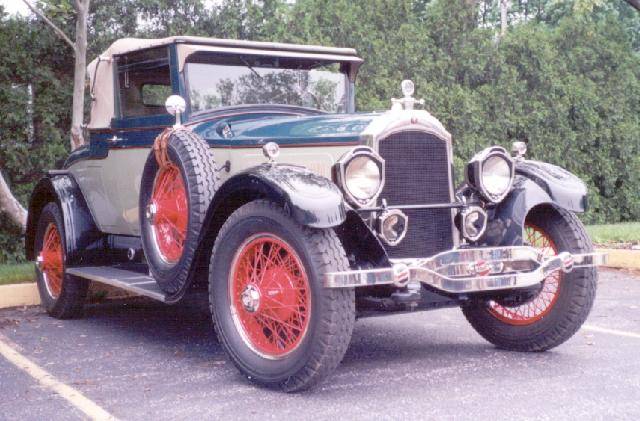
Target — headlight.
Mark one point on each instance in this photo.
(363, 178)
(360, 173)
(491, 172)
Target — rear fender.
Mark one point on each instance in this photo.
(85, 243)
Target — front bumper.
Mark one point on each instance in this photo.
(469, 270)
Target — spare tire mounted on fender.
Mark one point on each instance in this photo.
(178, 183)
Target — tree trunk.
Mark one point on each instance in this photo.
(504, 8)
(80, 73)
(9, 205)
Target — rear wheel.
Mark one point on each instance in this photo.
(279, 325)
(62, 295)
(560, 306)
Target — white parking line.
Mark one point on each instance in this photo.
(71, 395)
(611, 331)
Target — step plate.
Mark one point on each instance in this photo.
(129, 280)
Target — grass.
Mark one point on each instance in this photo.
(16, 274)
(615, 233)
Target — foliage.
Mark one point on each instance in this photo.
(565, 78)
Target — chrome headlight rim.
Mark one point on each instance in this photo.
(474, 172)
(340, 171)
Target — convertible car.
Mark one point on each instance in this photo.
(241, 169)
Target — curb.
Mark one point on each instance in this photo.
(622, 258)
(18, 295)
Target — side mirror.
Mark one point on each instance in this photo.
(176, 105)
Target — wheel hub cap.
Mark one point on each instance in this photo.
(250, 298)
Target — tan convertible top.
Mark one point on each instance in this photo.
(101, 71)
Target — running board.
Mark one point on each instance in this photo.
(129, 280)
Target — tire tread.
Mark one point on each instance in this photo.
(566, 322)
(336, 324)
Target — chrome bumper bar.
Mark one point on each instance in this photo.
(469, 270)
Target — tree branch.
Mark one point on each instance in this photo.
(504, 9)
(634, 3)
(10, 205)
(57, 30)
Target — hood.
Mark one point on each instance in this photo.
(257, 128)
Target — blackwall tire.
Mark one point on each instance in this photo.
(170, 234)
(314, 333)
(554, 318)
(63, 296)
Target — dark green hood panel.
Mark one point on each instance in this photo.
(250, 129)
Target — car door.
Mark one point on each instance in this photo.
(143, 84)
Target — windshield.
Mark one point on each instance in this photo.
(221, 81)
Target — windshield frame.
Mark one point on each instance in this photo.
(346, 68)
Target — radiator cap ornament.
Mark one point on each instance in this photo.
(408, 101)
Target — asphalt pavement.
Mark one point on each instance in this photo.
(141, 360)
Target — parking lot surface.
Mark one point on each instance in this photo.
(141, 360)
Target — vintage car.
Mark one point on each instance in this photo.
(258, 185)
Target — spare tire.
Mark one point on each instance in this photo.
(174, 198)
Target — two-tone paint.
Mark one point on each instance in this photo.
(98, 191)
(109, 168)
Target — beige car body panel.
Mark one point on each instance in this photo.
(112, 185)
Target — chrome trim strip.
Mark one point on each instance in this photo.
(469, 270)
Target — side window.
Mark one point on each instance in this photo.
(144, 82)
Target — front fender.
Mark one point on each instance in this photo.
(311, 199)
(536, 183)
(565, 189)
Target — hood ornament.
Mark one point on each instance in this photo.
(408, 101)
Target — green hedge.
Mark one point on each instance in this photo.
(565, 79)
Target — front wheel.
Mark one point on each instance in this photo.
(560, 306)
(277, 322)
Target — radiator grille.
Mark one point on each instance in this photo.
(417, 172)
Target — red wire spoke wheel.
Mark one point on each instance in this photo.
(557, 307)
(538, 307)
(170, 213)
(175, 193)
(279, 325)
(270, 296)
(62, 296)
(51, 260)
